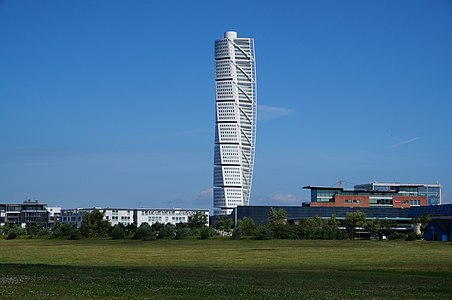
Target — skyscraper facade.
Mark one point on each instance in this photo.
(235, 128)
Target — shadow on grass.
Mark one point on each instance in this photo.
(52, 281)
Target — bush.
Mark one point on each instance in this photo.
(206, 232)
(246, 226)
(11, 236)
(152, 237)
(44, 232)
(182, 232)
(167, 231)
(145, 231)
(13, 231)
(397, 236)
(262, 233)
(118, 232)
(411, 236)
(75, 235)
(236, 233)
(66, 231)
(283, 231)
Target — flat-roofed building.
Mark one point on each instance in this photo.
(138, 216)
(164, 215)
(432, 192)
(338, 197)
(28, 212)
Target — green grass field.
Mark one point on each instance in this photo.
(224, 269)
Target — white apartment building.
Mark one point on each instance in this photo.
(172, 215)
(118, 215)
(138, 216)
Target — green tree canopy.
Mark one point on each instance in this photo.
(223, 224)
(94, 225)
(353, 220)
(246, 226)
(277, 216)
(196, 222)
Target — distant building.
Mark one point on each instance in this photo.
(116, 216)
(402, 216)
(338, 197)
(29, 212)
(432, 192)
(235, 126)
(138, 216)
(439, 230)
(73, 216)
(172, 215)
(54, 214)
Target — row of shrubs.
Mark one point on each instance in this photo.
(95, 226)
(145, 232)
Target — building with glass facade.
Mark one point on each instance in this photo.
(28, 212)
(432, 192)
(235, 128)
(259, 214)
(338, 197)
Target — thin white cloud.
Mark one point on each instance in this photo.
(266, 112)
(404, 142)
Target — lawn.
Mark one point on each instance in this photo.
(224, 269)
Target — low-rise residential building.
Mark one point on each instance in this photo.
(138, 216)
(165, 215)
(116, 216)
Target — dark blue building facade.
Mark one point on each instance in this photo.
(260, 213)
(439, 230)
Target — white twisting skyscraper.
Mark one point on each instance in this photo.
(235, 130)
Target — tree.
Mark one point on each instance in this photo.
(156, 226)
(68, 231)
(144, 232)
(373, 227)
(263, 233)
(182, 232)
(94, 225)
(424, 220)
(223, 224)
(31, 229)
(206, 232)
(167, 231)
(118, 232)
(196, 222)
(12, 231)
(387, 227)
(130, 229)
(246, 226)
(353, 220)
(277, 216)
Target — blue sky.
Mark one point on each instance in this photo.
(111, 103)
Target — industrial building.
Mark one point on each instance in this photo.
(400, 215)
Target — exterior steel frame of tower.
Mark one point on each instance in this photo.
(235, 130)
